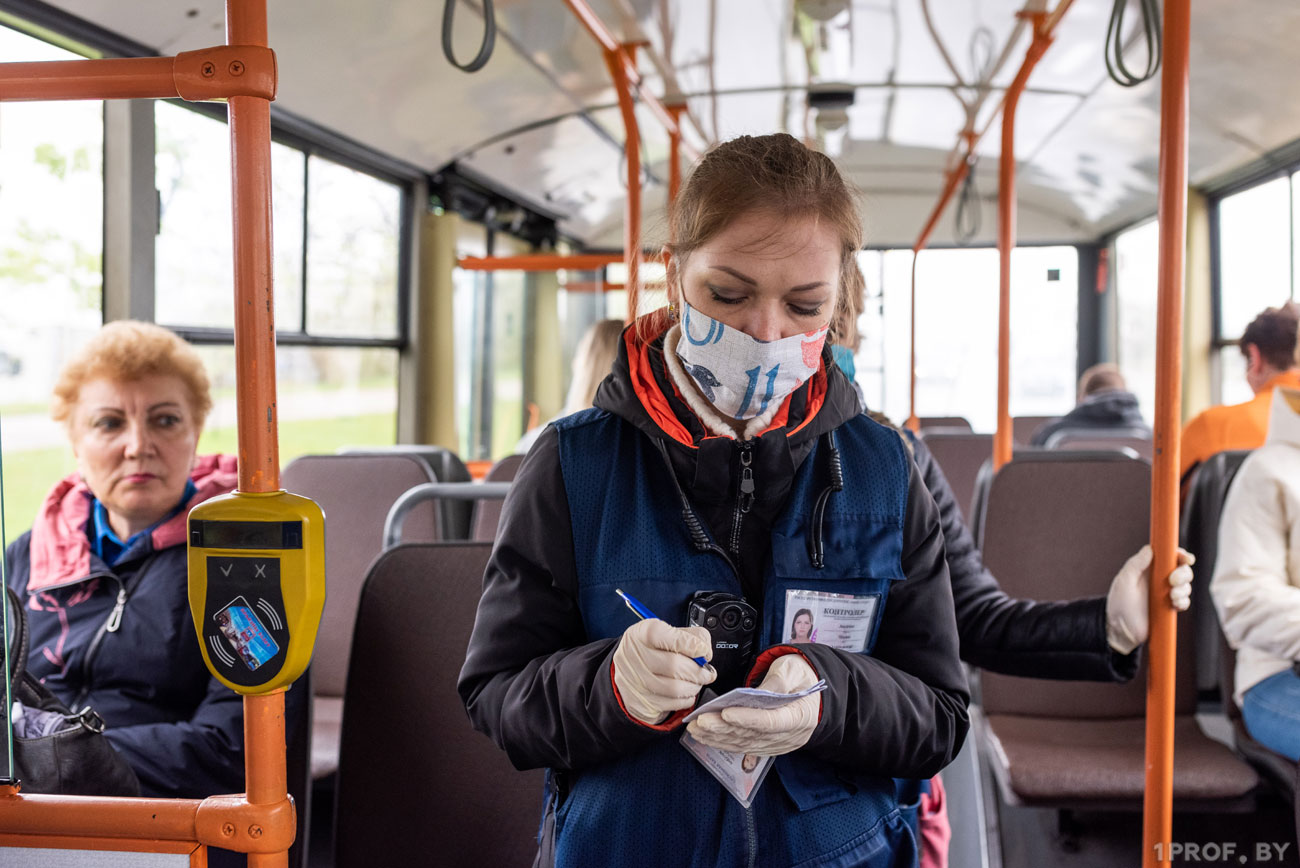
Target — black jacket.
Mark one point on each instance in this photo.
(1064, 640)
(1113, 408)
(533, 682)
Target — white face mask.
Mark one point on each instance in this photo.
(742, 376)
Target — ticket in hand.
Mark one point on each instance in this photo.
(752, 697)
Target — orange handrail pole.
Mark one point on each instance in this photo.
(1007, 227)
(632, 157)
(259, 458)
(250, 165)
(674, 154)
(602, 34)
(540, 262)
(218, 72)
(1157, 801)
(113, 78)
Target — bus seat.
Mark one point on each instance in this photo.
(1059, 525)
(487, 513)
(1137, 439)
(1023, 428)
(1207, 487)
(959, 423)
(960, 456)
(1132, 446)
(447, 467)
(355, 491)
(416, 784)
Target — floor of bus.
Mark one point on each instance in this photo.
(988, 834)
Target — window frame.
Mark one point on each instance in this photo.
(1214, 200)
(353, 158)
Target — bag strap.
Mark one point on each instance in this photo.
(16, 621)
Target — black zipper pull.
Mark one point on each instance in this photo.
(746, 478)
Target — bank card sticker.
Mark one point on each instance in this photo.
(741, 774)
(752, 697)
(842, 621)
(246, 633)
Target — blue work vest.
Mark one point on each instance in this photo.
(657, 807)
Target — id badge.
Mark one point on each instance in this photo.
(844, 621)
(246, 633)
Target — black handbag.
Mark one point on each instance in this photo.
(74, 758)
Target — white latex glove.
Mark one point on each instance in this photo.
(654, 672)
(1126, 604)
(766, 732)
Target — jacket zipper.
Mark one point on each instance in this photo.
(109, 626)
(744, 495)
(751, 839)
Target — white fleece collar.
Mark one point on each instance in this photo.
(715, 422)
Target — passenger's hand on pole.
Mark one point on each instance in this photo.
(654, 672)
(1127, 624)
(766, 732)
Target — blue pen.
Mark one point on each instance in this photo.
(645, 614)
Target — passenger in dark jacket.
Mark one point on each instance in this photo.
(102, 572)
(1069, 639)
(661, 491)
(1104, 404)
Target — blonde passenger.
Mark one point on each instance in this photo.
(592, 361)
(102, 573)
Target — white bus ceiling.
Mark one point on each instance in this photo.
(1088, 148)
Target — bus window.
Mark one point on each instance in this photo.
(326, 398)
(1135, 289)
(51, 278)
(192, 175)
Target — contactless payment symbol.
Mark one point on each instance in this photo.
(246, 633)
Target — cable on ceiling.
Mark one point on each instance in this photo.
(1115, 65)
(485, 47)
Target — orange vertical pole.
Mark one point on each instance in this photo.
(615, 60)
(1007, 234)
(259, 460)
(675, 154)
(250, 147)
(913, 421)
(1157, 803)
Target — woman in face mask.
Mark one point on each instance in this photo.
(725, 457)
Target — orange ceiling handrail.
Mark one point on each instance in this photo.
(1007, 225)
(602, 34)
(260, 822)
(618, 61)
(219, 72)
(548, 261)
(1157, 803)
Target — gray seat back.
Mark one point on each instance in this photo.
(1206, 490)
(487, 513)
(454, 515)
(1137, 439)
(417, 785)
(1058, 526)
(355, 491)
(952, 422)
(1024, 427)
(960, 457)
